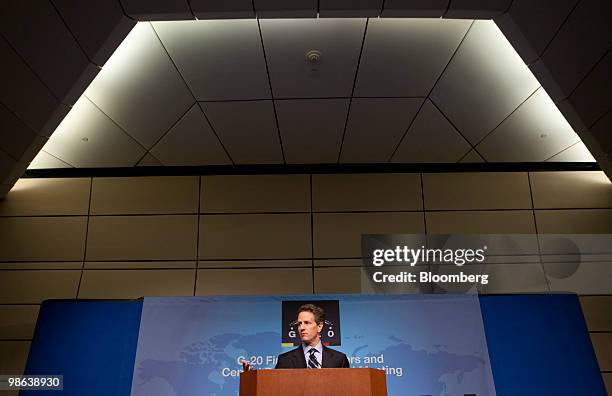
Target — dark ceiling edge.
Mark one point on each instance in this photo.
(314, 168)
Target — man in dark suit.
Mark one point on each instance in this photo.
(311, 353)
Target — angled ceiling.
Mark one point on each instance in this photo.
(52, 51)
(225, 92)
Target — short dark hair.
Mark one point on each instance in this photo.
(318, 312)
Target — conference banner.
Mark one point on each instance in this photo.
(427, 344)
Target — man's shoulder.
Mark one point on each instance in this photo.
(333, 358)
(291, 352)
(334, 352)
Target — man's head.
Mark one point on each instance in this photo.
(310, 320)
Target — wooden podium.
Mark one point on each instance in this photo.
(311, 382)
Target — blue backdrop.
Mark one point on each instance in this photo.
(538, 345)
(427, 344)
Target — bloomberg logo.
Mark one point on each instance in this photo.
(330, 335)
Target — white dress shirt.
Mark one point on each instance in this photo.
(319, 354)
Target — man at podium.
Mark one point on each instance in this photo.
(311, 353)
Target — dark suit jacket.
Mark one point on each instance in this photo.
(295, 359)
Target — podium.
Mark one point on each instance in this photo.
(314, 382)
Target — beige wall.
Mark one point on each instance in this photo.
(189, 235)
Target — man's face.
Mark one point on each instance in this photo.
(309, 330)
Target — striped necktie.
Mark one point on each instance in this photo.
(312, 359)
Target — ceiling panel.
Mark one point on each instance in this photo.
(99, 26)
(404, 57)
(24, 94)
(476, 9)
(4, 189)
(595, 146)
(593, 97)
(53, 119)
(431, 138)
(140, 94)
(285, 9)
(252, 137)
(35, 146)
(139, 88)
(531, 25)
(286, 43)
(311, 129)
(48, 47)
(485, 81)
(582, 40)
(16, 171)
(15, 136)
(576, 153)
(44, 160)
(472, 157)
(6, 165)
(602, 131)
(375, 127)
(349, 8)
(415, 8)
(191, 142)
(207, 52)
(157, 10)
(222, 9)
(534, 132)
(149, 160)
(88, 138)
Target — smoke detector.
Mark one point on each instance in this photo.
(313, 56)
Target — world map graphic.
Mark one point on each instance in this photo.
(197, 370)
